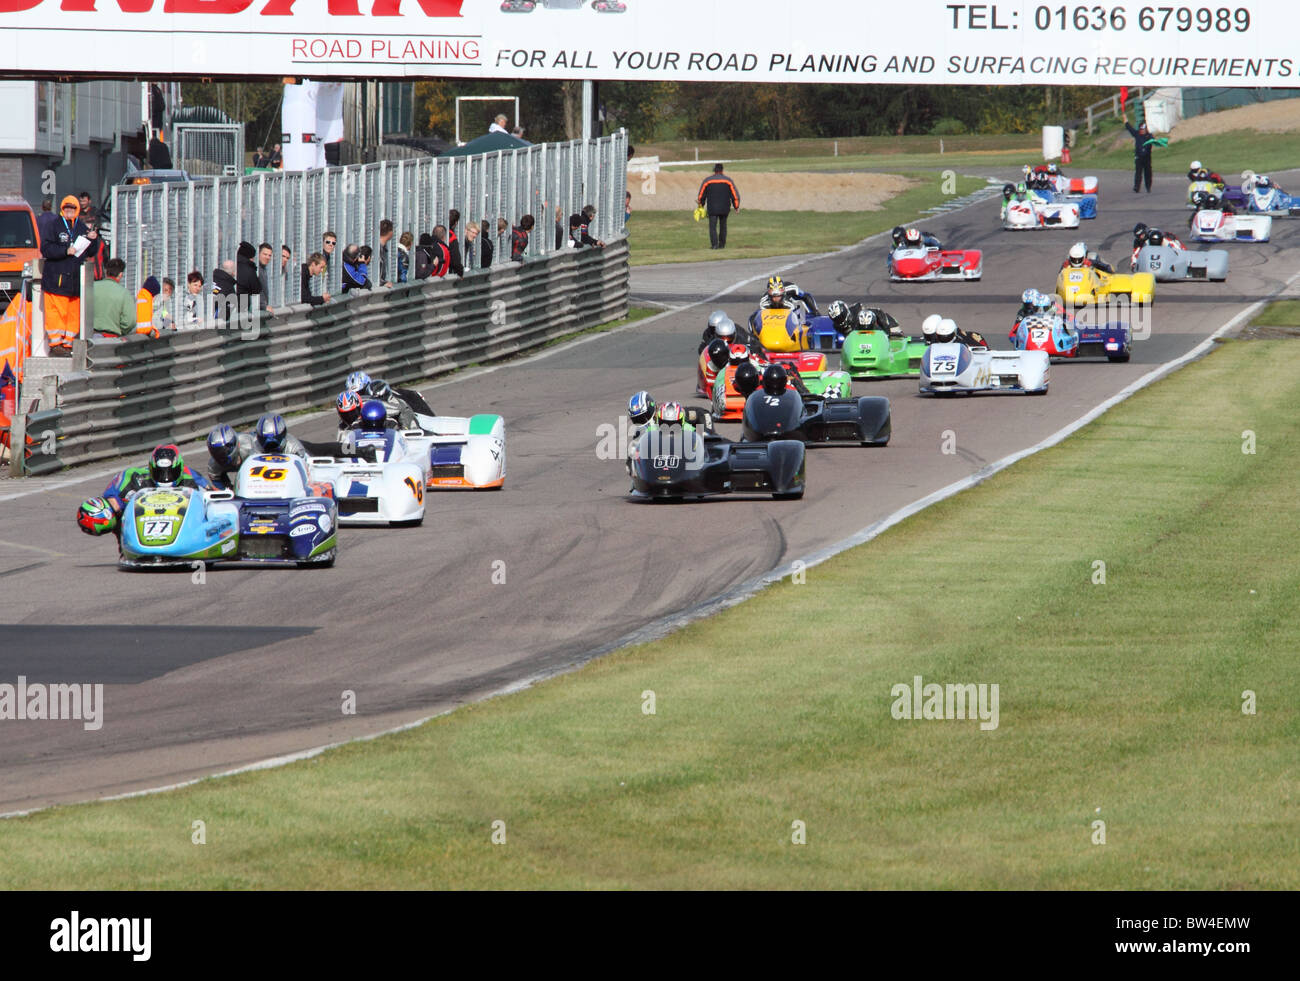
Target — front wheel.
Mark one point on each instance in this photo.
(1119, 358)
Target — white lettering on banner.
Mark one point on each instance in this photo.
(1243, 43)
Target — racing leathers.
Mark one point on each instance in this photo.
(743, 335)
(133, 479)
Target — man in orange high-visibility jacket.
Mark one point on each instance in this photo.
(61, 278)
(718, 195)
(144, 307)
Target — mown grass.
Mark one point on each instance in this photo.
(838, 149)
(1279, 313)
(1227, 153)
(1120, 702)
(670, 236)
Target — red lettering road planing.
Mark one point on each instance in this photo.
(273, 8)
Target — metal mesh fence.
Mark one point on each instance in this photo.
(168, 230)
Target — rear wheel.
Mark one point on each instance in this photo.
(1119, 358)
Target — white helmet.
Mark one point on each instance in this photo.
(929, 324)
(717, 317)
(1029, 295)
(1078, 252)
(1196, 165)
(945, 331)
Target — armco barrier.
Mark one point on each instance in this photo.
(141, 391)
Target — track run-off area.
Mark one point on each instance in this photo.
(499, 588)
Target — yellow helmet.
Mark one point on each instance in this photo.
(775, 284)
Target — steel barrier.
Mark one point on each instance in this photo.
(143, 391)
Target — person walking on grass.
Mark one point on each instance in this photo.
(718, 195)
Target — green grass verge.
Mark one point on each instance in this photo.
(890, 147)
(674, 236)
(1279, 313)
(1119, 702)
(1227, 153)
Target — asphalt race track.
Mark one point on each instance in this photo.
(253, 662)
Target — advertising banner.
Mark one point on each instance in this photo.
(1242, 43)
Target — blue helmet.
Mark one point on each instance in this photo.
(1029, 296)
(640, 407)
(271, 433)
(223, 446)
(373, 416)
(357, 381)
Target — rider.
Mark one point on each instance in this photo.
(946, 331)
(914, 238)
(227, 451)
(271, 435)
(928, 325)
(1196, 172)
(781, 294)
(1018, 193)
(873, 318)
(348, 406)
(720, 325)
(1079, 257)
(165, 468)
(1029, 305)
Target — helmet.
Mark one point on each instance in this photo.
(1199, 198)
(1010, 189)
(1029, 296)
(96, 516)
(1021, 188)
(349, 407)
(912, 237)
(165, 465)
(671, 412)
(1051, 169)
(640, 407)
(373, 415)
(775, 286)
(738, 353)
(377, 388)
(1139, 229)
(1043, 302)
(271, 433)
(838, 311)
(717, 317)
(897, 233)
(1212, 202)
(1026, 170)
(928, 325)
(866, 319)
(746, 378)
(945, 331)
(357, 381)
(1196, 165)
(775, 379)
(1078, 252)
(1156, 237)
(223, 446)
(719, 352)
(727, 329)
(1263, 181)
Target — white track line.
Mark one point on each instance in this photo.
(737, 594)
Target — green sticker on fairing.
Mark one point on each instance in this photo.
(482, 425)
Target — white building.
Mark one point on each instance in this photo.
(60, 138)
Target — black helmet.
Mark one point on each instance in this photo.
(1007, 191)
(165, 466)
(746, 378)
(775, 380)
(719, 352)
(1155, 237)
(897, 233)
(1212, 202)
(1139, 229)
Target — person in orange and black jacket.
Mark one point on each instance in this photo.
(61, 276)
(718, 195)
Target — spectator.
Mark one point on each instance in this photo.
(225, 286)
(97, 252)
(718, 195)
(247, 281)
(485, 232)
(588, 217)
(114, 309)
(519, 238)
(47, 205)
(385, 236)
(578, 237)
(354, 270)
(503, 237)
(286, 257)
(455, 262)
(160, 157)
(499, 126)
(442, 254)
(518, 134)
(404, 256)
(627, 208)
(424, 253)
(328, 243)
(264, 254)
(276, 161)
(314, 266)
(87, 208)
(561, 233)
(164, 305)
(471, 236)
(192, 306)
(259, 158)
(1142, 143)
(150, 290)
(61, 277)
